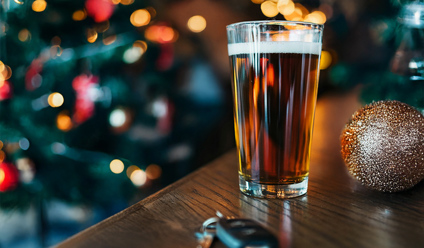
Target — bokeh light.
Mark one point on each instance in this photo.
(269, 9)
(131, 169)
(153, 171)
(326, 60)
(286, 8)
(116, 1)
(24, 144)
(316, 17)
(257, 1)
(132, 54)
(5, 72)
(109, 40)
(117, 118)
(24, 35)
(196, 23)
(161, 34)
(79, 15)
(126, 2)
(138, 178)
(55, 99)
(152, 11)
(140, 17)
(2, 156)
(116, 166)
(2, 175)
(91, 35)
(64, 121)
(55, 51)
(39, 5)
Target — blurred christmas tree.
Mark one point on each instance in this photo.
(84, 98)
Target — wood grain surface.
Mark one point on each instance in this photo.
(337, 211)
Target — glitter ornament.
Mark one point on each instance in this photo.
(383, 146)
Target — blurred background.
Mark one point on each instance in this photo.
(104, 102)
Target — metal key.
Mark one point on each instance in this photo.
(207, 233)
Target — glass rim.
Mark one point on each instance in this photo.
(277, 23)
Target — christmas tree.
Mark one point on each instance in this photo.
(86, 103)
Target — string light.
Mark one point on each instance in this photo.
(269, 9)
(326, 60)
(39, 5)
(24, 35)
(64, 121)
(196, 23)
(153, 171)
(91, 35)
(140, 17)
(55, 100)
(79, 15)
(116, 166)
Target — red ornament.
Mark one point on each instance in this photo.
(9, 177)
(99, 10)
(84, 86)
(5, 90)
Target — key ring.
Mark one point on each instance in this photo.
(209, 225)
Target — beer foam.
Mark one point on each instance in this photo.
(275, 47)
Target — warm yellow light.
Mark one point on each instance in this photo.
(39, 5)
(109, 40)
(127, 2)
(24, 35)
(167, 34)
(138, 177)
(140, 17)
(55, 99)
(257, 1)
(131, 169)
(196, 23)
(2, 176)
(269, 9)
(286, 9)
(1, 144)
(296, 15)
(302, 8)
(141, 44)
(91, 35)
(116, 1)
(116, 166)
(64, 122)
(153, 171)
(79, 15)
(5, 73)
(316, 17)
(1, 66)
(326, 60)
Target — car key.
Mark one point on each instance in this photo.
(238, 233)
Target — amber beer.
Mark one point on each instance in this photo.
(275, 90)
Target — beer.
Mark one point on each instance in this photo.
(275, 88)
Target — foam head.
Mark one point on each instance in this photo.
(301, 47)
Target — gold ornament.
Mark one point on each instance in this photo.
(383, 146)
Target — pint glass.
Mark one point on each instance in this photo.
(275, 70)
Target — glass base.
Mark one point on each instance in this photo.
(282, 191)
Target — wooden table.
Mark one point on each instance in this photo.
(336, 212)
